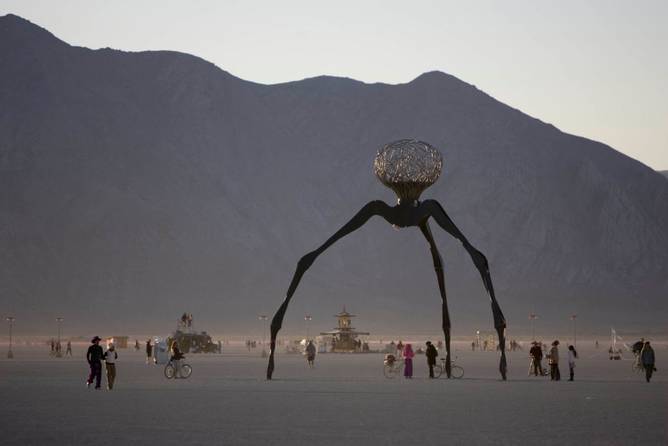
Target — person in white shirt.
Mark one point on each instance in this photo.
(110, 357)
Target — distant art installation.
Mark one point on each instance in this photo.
(408, 167)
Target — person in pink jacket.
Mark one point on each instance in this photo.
(408, 361)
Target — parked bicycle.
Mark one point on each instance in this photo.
(543, 370)
(392, 366)
(455, 371)
(185, 370)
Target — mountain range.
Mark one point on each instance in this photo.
(137, 186)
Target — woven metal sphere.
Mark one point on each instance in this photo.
(408, 167)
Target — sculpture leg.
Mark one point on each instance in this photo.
(277, 320)
(438, 267)
(276, 323)
(480, 261)
(500, 325)
(369, 210)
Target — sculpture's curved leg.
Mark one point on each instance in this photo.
(436, 211)
(369, 210)
(438, 267)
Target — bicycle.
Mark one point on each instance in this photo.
(170, 370)
(637, 365)
(543, 370)
(455, 371)
(392, 366)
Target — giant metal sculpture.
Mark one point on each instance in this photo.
(408, 167)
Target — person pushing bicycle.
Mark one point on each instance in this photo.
(176, 358)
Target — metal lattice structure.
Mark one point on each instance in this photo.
(408, 167)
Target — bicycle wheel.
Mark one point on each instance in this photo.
(438, 370)
(186, 371)
(456, 372)
(169, 371)
(390, 371)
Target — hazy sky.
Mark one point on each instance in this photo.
(593, 68)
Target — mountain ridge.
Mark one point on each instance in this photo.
(165, 181)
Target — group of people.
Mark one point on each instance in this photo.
(186, 320)
(536, 355)
(513, 345)
(406, 352)
(56, 348)
(95, 355)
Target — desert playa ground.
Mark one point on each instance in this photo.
(344, 400)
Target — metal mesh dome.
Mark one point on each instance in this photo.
(408, 167)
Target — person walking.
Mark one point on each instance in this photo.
(554, 362)
(310, 354)
(110, 357)
(647, 358)
(536, 354)
(408, 361)
(572, 356)
(431, 353)
(94, 358)
(149, 351)
(69, 348)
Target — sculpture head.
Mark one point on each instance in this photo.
(408, 167)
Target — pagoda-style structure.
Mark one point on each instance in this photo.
(344, 337)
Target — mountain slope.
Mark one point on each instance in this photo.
(155, 183)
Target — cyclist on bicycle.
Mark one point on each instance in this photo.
(176, 358)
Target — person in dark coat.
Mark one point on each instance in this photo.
(536, 354)
(647, 359)
(553, 360)
(94, 357)
(572, 356)
(310, 354)
(431, 355)
(149, 351)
